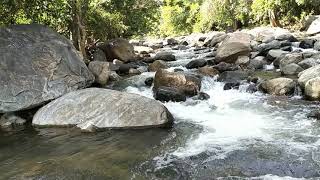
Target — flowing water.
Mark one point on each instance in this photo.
(233, 135)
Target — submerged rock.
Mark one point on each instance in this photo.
(37, 65)
(278, 86)
(10, 120)
(103, 108)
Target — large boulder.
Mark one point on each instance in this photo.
(166, 94)
(278, 86)
(314, 28)
(37, 65)
(102, 108)
(308, 74)
(165, 56)
(291, 69)
(118, 48)
(237, 44)
(184, 83)
(312, 89)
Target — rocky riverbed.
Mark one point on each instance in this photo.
(205, 106)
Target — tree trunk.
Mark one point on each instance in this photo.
(79, 9)
(273, 19)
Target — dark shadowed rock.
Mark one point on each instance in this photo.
(309, 62)
(148, 81)
(37, 65)
(233, 76)
(99, 55)
(196, 63)
(264, 48)
(166, 94)
(10, 120)
(165, 56)
(307, 43)
(231, 85)
(102, 108)
(222, 67)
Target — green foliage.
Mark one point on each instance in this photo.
(178, 17)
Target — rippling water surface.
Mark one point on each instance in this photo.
(233, 135)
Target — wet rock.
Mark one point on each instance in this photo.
(308, 63)
(208, 71)
(101, 71)
(238, 44)
(166, 94)
(252, 88)
(103, 108)
(307, 43)
(118, 48)
(308, 74)
(37, 65)
(312, 89)
(203, 96)
(178, 70)
(231, 85)
(165, 56)
(186, 84)
(314, 28)
(233, 76)
(157, 65)
(286, 48)
(10, 120)
(196, 63)
(314, 114)
(222, 67)
(148, 81)
(257, 63)
(291, 69)
(278, 86)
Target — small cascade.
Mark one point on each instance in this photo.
(297, 91)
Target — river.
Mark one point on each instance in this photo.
(233, 135)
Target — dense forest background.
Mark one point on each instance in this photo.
(86, 21)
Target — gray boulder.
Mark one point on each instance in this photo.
(237, 44)
(101, 71)
(291, 69)
(291, 58)
(278, 86)
(37, 65)
(102, 108)
(309, 62)
(317, 45)
(257, 63)
(314, 28)
(308, 74)
(165, 56)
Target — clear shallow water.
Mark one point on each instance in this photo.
(233, 135)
